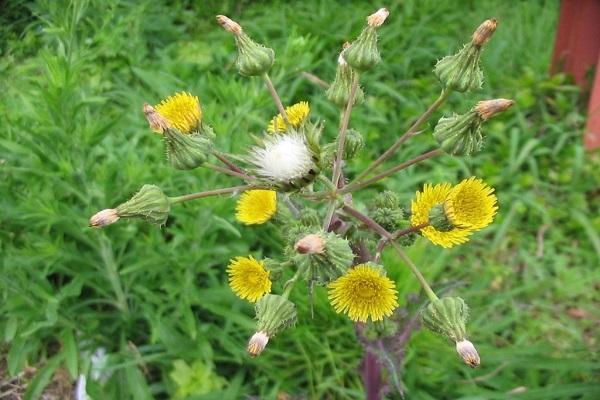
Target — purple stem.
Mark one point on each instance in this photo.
(372, 376)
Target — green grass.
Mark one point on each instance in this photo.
(73, 141)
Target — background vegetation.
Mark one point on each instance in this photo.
(73, 140)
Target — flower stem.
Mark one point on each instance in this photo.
(289, 285)
(276, 97)
(408, 134)
(221, 157)
(374, 226)
(208, 193)
(339, 158)
(359, 185)
(228, 171)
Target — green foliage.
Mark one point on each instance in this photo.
(74, 141)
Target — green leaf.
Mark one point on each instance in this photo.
(70, 353)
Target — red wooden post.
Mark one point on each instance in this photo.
(576, 51)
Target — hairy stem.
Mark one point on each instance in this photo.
(228, 171)
(208, 193)
(339, 157)
(275, 97)
(409, 133)
(359, 185)
(221, 157)
(374, 226)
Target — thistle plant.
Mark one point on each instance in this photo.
(294, 180)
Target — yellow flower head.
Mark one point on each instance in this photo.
(182, 110)
(256, 206)
(296, 114)
(471, 204)
(363, 293)
(421, 207)
(248, 278)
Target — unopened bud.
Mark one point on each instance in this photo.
(104, 217)
(378, 18)
(484, 32)
(257, 343)
(158, 123)
(310, 244)
(253, 59)
(229, 25)
(468, 353)
(339, 91)
(149, 204)
(488, 108)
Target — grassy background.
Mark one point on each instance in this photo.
(73, 140)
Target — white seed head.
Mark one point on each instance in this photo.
(104, 217)
(468, 353)
(378, 18)
(283, 158)
(257, 343)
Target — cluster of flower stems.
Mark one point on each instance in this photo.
(284, 169)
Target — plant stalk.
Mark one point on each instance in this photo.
(359, 185)
(276, 98)
(407, 135)
(228, 171)
(208, 193)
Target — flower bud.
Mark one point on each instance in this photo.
(253, 59)
(188, 151)
(150, 204)
(387, 199)
(158, 123)
(257, 343)
(353, 145)
(389, 218)
(461, 72)
(328, 264)
(484, 32)
(439, 220)
(310, 244)
(104, 217)
(363, 53)
(488, 108)
(447, 316)
(459, 134)
(468, 353)
(339, 91)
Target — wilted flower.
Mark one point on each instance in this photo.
(104, 217)
(257, 343)
(310, 244)
(466, 350)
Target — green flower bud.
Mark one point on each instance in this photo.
(339, 91)
(188, 151)
(363, 53)
(406, 240)
(353, 145)
(461, 134)
(447, 316)
(461, 72)
(323, 255)
(253, 59)
(439, 220)
(387, 199)
(389, 218)
(150, 204)
(274, 314)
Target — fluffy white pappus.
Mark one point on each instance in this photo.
(283, 158)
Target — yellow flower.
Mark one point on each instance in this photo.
(256, 206)
(363, 293)
(182, 110)
(248, 278)
(421, 207)
(471, 204)
(296, 114)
